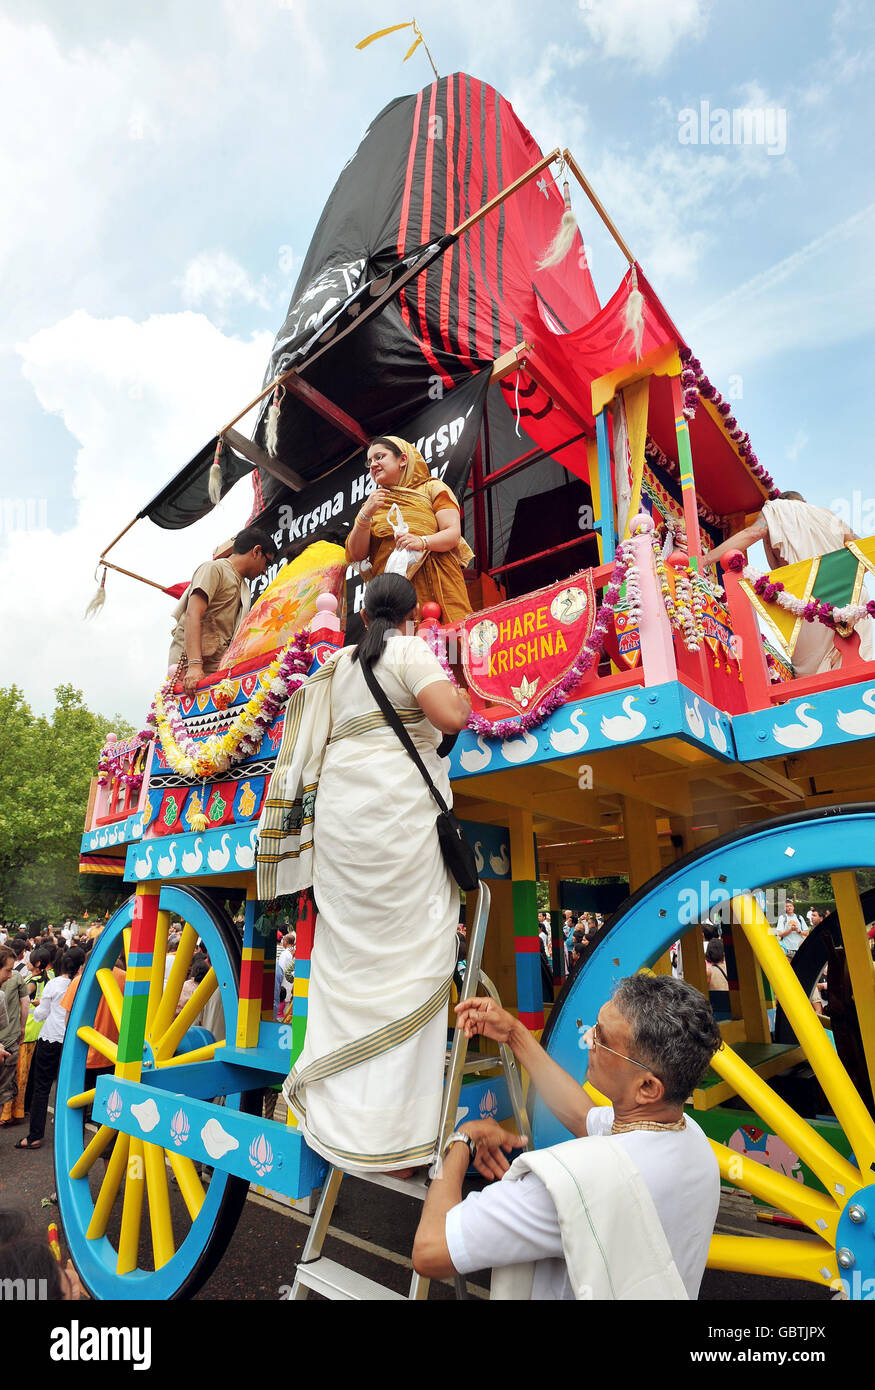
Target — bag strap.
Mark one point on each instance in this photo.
(391, 717)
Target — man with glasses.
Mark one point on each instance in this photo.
(651, 1183)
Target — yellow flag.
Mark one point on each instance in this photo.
(381, 33)
(412, 49)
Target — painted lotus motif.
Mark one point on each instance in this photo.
(488, 1105)
(179, 1128)
(261, 1155)
(113, 1105)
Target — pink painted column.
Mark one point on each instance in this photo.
(657, 645)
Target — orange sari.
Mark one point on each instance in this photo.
(437, 576)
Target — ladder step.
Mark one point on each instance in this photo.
(415, 1187)
(336, 1282)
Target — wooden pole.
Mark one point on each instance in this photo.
(130, 573)
(118, 537)
(593, 198)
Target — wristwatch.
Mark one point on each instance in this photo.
(461, 1136)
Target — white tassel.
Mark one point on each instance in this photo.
(272, 429)
(99, 599)
(564, 238)
(215, 476)
(633, 318)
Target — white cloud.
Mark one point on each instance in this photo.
(216, 279)
(645, 35)
(796, 446)
(141, 399)
(817, 297)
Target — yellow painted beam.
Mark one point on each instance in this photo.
(112, 1179)
(819, 1212)
(166, 1009)
(751, 994)
(163, 1247)
(708, 1097)
(771, 1256)
(132, 1209)
(89, 1156)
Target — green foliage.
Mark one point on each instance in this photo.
(46, 766)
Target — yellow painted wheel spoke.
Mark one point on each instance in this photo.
(836, 1173)
(769, 1255)
(178, 971)
(861, 967)
(89, 1156)
(126, 937)
(819, 1212)
(190, 1185)
(132, 1209)
(166, 1045)
(112, 1179)
(79, 1102)
(844, 1099)
(159, 1205)
(199, 1054)
(107, 1049)
(112, 994)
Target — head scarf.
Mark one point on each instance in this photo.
(417, 506)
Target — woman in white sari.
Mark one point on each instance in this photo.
(349, 812)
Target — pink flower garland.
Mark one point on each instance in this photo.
(814, 611)
(507, 728)
(114, 760)
(696, 384)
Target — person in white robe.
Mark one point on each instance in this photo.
(349, 813)
(792, 529)
(626, 1208)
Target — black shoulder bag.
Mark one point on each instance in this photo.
(458, 854)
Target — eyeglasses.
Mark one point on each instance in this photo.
(595, 1041)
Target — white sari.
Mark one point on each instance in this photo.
(367, 1086)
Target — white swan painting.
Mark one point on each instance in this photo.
(245, 854)
(220, 858)
(167, 862)
(478, 857)
(143, 866)
(499, 863)
(693, 716)
(801, 734)
(192, 862)
(519, 749)
(472, 761)
(717, 736)
(620, 727)
(859, 722)
(567, 740)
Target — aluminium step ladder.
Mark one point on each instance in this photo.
(334, 1281)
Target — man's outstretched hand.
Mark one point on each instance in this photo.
(493, 1144)
(486, 1017)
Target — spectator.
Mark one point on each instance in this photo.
(14, 1008)
(715, 965)
(790, 931)
(24, 1255)
(47, 1056)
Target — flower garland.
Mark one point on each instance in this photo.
(219, 752)
(624, 569)
(814, 611)
(116, 760)
(696, 384)
(686, 606)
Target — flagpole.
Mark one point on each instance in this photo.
(421, 36)
(593, 198)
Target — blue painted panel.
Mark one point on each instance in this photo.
(613, 720)
(486, 1098)
(227, 849)
(246, 1145)
(203, 1080)
(823, 720)
(123, 832)
(491, 845)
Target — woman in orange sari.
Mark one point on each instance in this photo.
(433, 516)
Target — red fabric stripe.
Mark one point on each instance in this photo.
(462, 244)
(448, 255)
(492, 228)
(425, 229)
(482, 340)
(405, 205)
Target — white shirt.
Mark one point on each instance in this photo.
(49, 1008)
(515, 1222)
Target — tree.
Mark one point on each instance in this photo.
(46, 766)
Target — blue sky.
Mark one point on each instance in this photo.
(166, 164)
